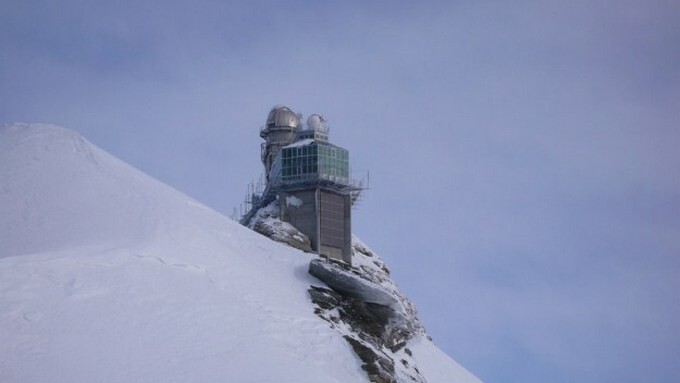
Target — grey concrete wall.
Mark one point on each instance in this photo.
(332, 252)
(347, 248)
(324, 216)
(336, 229)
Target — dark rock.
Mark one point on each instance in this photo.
(359, 247)
(379, 368)
(398, 347)
(370, 319)
(324, 298)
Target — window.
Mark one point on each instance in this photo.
(315, 161)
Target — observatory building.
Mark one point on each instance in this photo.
(311, 179)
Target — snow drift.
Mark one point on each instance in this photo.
(109, 275)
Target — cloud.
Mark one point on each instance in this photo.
(526, 150)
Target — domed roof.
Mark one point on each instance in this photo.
(281, 116)
(316, 122)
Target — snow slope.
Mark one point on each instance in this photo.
(109, 275)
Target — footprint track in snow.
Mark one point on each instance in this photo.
(152, 257)
(185, 266)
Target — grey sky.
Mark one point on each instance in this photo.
(523, 156)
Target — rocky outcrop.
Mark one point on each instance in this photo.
(379, 368)
(266, 222)
(340, 278)
(362, 303)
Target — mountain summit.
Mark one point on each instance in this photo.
(106, 274)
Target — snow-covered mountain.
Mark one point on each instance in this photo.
(109, 275)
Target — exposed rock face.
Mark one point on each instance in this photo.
(365, 306)
(360, 301)
(341, 279)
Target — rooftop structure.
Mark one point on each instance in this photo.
(280, 130)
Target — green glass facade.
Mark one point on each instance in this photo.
(314, 162)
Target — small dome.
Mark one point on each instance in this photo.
(316, 122)
(281, 116)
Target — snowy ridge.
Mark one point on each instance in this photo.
(109, 275)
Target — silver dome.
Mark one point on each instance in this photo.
(316, 122)
(281, 116)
